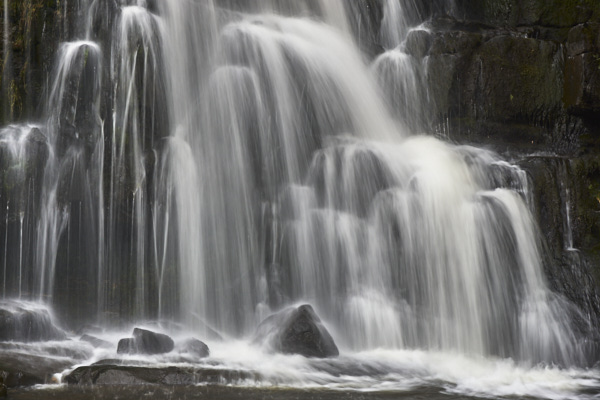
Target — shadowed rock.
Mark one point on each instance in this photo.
(297, 331)
(22, 323)
(145, 342)
(94, 341)
(132, 375)
(195, 347)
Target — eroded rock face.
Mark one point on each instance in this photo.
(145, 342)
(297, 331)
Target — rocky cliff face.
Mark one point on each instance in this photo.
(523, 77)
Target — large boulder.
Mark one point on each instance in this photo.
(145, 342)
(27, 322)
(139, 375)
(297, 331)
(18, 369)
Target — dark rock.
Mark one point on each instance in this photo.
(27, 323)
(151, 342)
(583, 38)
(195, 347)
(418, 43)
(126, 346)
(3, 390)
(133, 375)
(94, 341)
(365, 18)
(297, 331)
(18, 369)
(146, 342)
(582, 84)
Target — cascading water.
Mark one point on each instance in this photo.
(211, 162)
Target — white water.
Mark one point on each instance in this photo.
(250, 163)
(376, 370)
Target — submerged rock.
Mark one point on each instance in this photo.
(145, 342)
(133, 375)
(297, 331)
(195, 347)
(23, 322)
(94, 341)
(18, 369)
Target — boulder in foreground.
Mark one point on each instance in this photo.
(27, 322)
(139, 375)
(145, 342)
(195, 347)
(297, 331)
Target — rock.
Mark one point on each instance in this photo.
(126, 346)
(297, 331)
(134, 375)
(145, 342)
(583, 38)
(27, 322)
(94, 341)
(18, 369)
(89, 329)
(3, 391)
(418, 43)
(582, 84)
(195, 347)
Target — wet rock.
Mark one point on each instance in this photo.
(94, 341)
(582, 84)
(126, 346)
(133, 375)
(23, 323)
(145, 342)
(3, 390)
(583, 38)
(418, 43)
(195, 347)
(18, 369)
(297, 331)
(87, 329)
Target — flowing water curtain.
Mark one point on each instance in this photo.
(400, 74)
(23, 152)
(398, 245)
(72, 193)
(251, 163)
(139, 121)
(267, 71)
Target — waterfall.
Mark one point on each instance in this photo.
(211, 162)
